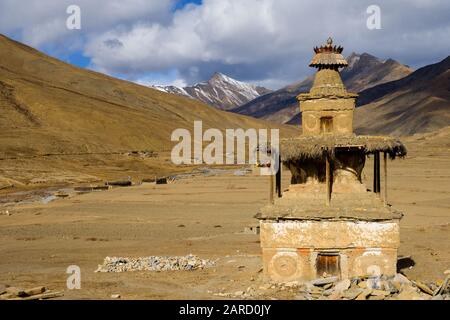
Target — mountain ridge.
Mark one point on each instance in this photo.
(418, 103)
(220, 91)
(364, 71)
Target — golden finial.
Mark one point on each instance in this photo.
(329, 41)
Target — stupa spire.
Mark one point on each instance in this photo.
(328, 56)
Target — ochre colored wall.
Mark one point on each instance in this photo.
(290, 249)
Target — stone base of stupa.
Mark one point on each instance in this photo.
(309, 249)
(302, 239)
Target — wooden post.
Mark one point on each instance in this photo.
(278, 178)
(379, 174)
(271, 189)
(327, 179)
(376, 172)
(385, 177)
(374, 189)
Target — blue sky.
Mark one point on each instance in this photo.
(266, 42)
(181, 3)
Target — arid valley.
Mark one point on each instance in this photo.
(135, 152)
(203, 214)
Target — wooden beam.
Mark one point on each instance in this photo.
(385, 177)
(278, 178)
(328, 180)
(271, 178)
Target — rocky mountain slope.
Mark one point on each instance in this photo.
(50, 107)
(417, 103)
(364, 71)
(220, 91)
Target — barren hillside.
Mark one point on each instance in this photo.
(62, 124)
(417, 103)
(51, 107)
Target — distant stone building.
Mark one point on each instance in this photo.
(327, 223)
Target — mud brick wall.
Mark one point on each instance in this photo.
(291, 249)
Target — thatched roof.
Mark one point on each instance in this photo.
(328, 59)
(328, 55)
(316, 146)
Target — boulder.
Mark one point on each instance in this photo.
(323, 281)
(377, 292)
(352, 293)
(364, 294)
(362, 284)
(410, 295)
(342, 285)
(399, 278)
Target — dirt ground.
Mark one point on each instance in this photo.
(205, 216)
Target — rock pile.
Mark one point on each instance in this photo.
(37, 293)
(154, 263)
(383, 288)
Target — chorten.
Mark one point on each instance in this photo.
(327, 223)
(328, 107)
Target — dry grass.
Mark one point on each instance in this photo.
(316, 146)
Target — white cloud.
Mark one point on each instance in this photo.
(274, 36)
(43, 22)
(171, 78)
(264, 41)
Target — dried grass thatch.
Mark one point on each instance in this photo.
(305, 147)
(328, 59)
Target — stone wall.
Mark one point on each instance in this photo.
(340, 110)
(291, 248)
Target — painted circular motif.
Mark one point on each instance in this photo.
(310, 123)
(284, 265)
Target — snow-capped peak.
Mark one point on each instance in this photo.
(171, 89)
(220, 91)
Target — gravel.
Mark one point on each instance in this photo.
(154, 263)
